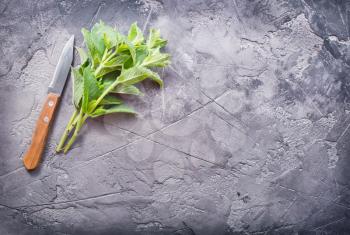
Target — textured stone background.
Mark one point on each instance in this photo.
(250, 135)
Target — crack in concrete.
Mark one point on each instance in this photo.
(330, 223)
(302, 194)
(76, 200)
(344, 132)
(96, 13)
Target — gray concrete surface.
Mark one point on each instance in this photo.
(250, 135)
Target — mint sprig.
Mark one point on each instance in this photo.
(112, 64)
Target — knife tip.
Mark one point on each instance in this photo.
(71, 39)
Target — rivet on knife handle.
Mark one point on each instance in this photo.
(33, 155)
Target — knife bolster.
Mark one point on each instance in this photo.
(32, 157)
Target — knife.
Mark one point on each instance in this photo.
(32, 157)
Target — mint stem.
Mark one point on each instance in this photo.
(111, 87)
(81, 119)
(66, 131)
(78, 121)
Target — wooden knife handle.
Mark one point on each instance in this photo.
(32, 157)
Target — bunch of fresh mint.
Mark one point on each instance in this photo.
(112, 65)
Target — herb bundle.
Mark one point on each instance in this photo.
(112, 65)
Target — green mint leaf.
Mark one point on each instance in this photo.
(100, 38)
(83, 56)
(132, 75)
(128, 48)
(119, 108)
(110, 99)
(137, 74)
(135, 35)
(92, 51)
(107, 41)
(98, 33)
(105, 36)
(156, 59)
(154, 40)
(108, 79)
(77, 86)
(91, 88)
(88, 41)
(154, 76)
(116, 63)
(127, 89)
(141, 54)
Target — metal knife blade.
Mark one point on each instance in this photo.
(62, 69)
